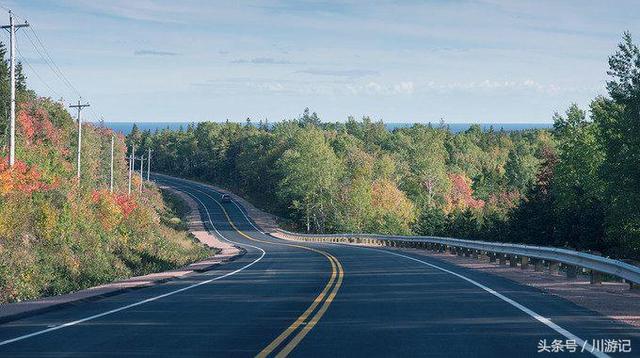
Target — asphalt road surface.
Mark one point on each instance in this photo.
(313, 300)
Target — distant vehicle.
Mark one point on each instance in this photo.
(225, 198)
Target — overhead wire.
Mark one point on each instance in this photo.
(33, 70)
(54, 67)
(46, 57)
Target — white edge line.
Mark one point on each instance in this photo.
(204, 186)
(546, 321)
(73, 323)
(536, 316)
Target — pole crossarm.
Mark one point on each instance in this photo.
(8, 27)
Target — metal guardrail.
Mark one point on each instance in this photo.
(597, 264)
(592, 262)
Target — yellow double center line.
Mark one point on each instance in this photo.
(306, 319)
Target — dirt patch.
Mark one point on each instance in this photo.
(198, 228)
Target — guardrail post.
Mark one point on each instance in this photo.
(596, 277)
(524, 262)
(459, 251)
(554, 268)
(572, 271)
(467, 252)
(512, 261)
(538, 265)
(502, 259)
(475, 254)
(492, 257)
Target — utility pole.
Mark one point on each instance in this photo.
(12, 54)
(141, 171)
(131, 162)
(148, 164)
(79, 106)
(111, 171)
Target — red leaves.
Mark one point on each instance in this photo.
(461, 195)
(26, 123)
(36, 125)
(21, 178)
(125, 203)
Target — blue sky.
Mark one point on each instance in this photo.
(400, 61)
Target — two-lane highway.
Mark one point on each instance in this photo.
(285, 298)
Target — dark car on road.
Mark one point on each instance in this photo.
(225, 198)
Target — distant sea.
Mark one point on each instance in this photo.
(125, 127)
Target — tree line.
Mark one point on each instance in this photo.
(576, 185)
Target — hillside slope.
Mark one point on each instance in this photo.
(58, 235)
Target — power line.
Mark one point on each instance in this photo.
(50, 64)
(45, 55)
(33, 70)
(59, 71)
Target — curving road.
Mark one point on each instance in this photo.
(306, 300)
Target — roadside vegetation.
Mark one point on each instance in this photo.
(59, 235)
(576, 186)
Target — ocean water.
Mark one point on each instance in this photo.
(125, 127)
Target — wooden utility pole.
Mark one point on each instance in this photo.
(131, 163)
(148, 164)
(141, 171)
(12, 28)
(79, 106)
(111, 169)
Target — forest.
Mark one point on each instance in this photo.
(575, 186)
(58, 234)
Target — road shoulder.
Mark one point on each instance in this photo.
(611, 299)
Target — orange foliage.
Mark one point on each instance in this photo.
(26, 123)
(36, 125)
(21, 178)
(461, 195)
(125, 204)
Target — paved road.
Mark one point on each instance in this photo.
(311, 300)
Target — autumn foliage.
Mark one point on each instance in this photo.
(58, 234)
(36, 125)
(461, 196)
(21, 178)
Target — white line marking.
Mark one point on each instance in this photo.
(210, 188)
(73, 323)
(538, 317)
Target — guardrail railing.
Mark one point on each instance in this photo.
(542, 257)
(514, 253)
